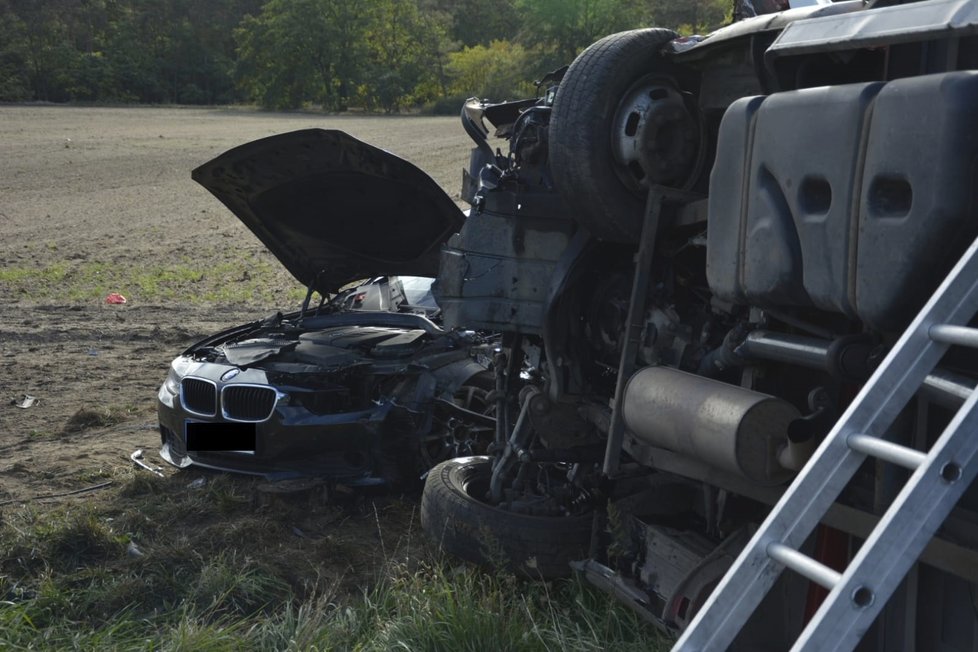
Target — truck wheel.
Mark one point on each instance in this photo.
(620, 125)
(456, 519)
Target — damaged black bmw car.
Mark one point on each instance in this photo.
(361, 385)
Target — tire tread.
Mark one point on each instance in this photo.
(580, 130)
(461, 525)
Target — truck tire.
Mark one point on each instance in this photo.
(588, 126)
(456, 519)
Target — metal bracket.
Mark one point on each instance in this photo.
(657, 198)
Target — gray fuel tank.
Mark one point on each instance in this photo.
(854, 199)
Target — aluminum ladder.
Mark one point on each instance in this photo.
(939, 477)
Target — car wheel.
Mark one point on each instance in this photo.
(474, 393)
(456, 518)
(620, 125)
(456, 436)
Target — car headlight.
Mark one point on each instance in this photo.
(178, 369)
(172, 382)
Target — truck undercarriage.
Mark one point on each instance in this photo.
(699, 252)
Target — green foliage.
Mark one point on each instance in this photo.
(495, 71)
(383, 55)
(691, 16)
(447, 105)
(479, 22)
(118, 50)
(15, 85)
(406, 55)
(299, 51)
(565, 27)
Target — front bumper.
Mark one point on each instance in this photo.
(292, 441)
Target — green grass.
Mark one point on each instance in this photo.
(439, 606)
(216, 572)
(230, 606)
(207, 279)
(23, 276)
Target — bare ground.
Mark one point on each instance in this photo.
(110, 188)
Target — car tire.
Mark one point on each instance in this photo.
(582, 143)
(464, 526)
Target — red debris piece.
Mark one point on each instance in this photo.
(115, 297)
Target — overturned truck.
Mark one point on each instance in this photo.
(706, 256)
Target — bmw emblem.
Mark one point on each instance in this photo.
(229, 374)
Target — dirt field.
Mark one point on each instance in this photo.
(100, 200)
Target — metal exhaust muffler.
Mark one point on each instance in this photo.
(725, 426)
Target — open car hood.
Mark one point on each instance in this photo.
(334, 209)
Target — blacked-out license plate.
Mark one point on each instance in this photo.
(203, 436)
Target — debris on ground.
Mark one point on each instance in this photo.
(137, 459)
(26, 402)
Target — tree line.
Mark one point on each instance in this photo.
(379, 55)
